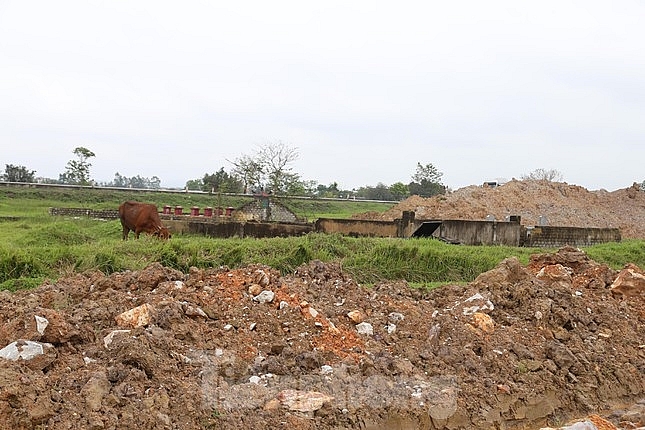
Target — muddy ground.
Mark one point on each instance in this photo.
(518, 348)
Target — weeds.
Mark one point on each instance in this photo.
(36, 246)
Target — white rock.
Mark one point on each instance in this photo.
(326, 370)
(303, 401)
(396, 317)
(194, 311)
(265, 296)
(24, 349)
(365, 328)
(41, 324)
(107, 340)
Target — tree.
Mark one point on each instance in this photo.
(119, 181)
(268, 169)
(194, 185)
(428, 173)
(135, 182)
(275, 159)
(78, 171)
(250, 172)
(18, 174)
(543, 174)
(221, 182)
(426, 182)
(399, 190)
(379, 192)
(328, 191)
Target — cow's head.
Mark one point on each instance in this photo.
(162, 233)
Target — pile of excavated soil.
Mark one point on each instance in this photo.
(518, 348)
(559, 203)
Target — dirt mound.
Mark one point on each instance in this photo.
(559, 203)
(519, 347)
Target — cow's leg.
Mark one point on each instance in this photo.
(126, 232)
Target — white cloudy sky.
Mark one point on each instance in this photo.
(364, 90)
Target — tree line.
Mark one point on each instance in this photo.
(268, 170)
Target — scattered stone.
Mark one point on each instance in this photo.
(483, 322)
(477, 303)
(23, 350)
(107, 340)
(135, 317)
(95, 390)
(254, 289)
(356, 316)
(262, 278)
(265, 296)
(630, 282)
(395, 317)
(365, 328)
(303, 401)
(41, 324)
(326, 370)
(194, 311)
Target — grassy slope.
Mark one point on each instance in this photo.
(37, 246)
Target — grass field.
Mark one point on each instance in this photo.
(35, 247)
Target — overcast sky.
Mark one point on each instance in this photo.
(365, 90)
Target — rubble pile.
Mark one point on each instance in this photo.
(521, 347)
(554, 203)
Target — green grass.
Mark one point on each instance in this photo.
(37, 246)
(24, 201)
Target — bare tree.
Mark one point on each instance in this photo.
(268, 168)
(544, 175)
(275, 159)
(249, 170)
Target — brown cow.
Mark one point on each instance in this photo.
(141, 217)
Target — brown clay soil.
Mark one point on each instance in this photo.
(560, 203)
(518, 348)
(521, 347)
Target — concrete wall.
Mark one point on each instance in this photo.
(356, 228)
(551, 236)
(469, 232)
(465, 232)
(233, 228)
(78, 212)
